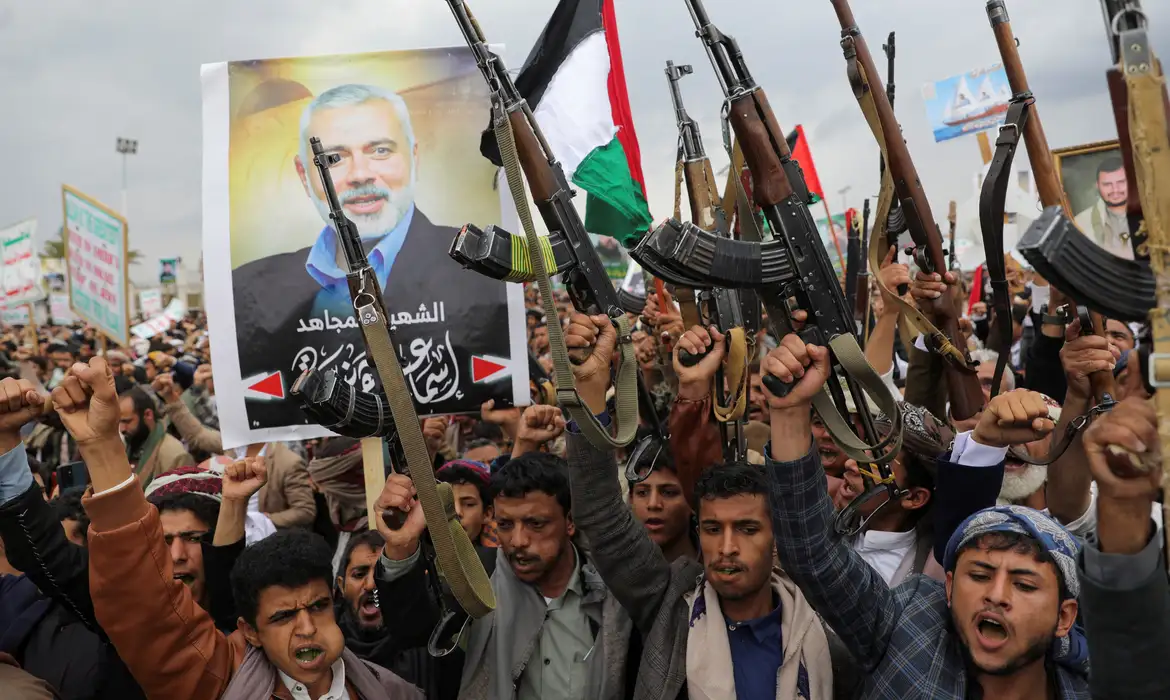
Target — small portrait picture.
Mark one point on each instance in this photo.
(1094, 181)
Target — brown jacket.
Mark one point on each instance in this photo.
(169, 454)
(287, 498)
(168, 642)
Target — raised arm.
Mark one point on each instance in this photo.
(1125, 597)
(847, 593)
(168, 642)
(631, 565)
(695, 442)
(197, 436)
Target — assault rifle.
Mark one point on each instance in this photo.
(718, 306)
(901, 182)
(527, 155)
(952, 221)
(895, 219)
(794, 264)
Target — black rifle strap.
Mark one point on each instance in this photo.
(991, 214)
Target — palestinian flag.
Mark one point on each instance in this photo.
(798, 144)
(576, 86)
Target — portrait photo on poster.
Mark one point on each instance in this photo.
(1094, 180)
(406, 126)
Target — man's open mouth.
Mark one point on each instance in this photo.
(307, 655)
(368, 607)
(992, 629)
(187, 579)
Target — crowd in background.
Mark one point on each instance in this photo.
(142, 559)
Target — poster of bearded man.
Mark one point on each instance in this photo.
(406, 125)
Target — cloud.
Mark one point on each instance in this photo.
(75, 75)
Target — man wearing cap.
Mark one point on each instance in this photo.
(1002, 625)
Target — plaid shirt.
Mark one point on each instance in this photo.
(902, 637)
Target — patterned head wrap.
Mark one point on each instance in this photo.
(200, 480)
(1071, 651)
(481, 470)
(1054, 539)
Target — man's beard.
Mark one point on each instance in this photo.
(136, 439)
(384, 220)
(1037, 649)
(1019, 484)
(1121, 203)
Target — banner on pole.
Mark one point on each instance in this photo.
(21, 268)
(95, 250)
(167, 270)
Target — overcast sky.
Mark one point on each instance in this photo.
(77, 74)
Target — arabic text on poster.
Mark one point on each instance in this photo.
(96, 250)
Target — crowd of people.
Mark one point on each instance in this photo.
(142, 559)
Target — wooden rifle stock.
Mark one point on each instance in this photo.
(1043, 166)
(762, 148)
(699, 194)
(533, 160)
(965, 392)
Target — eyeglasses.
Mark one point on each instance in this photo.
(190, 537)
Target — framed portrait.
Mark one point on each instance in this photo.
(1094, 182)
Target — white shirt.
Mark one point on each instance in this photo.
(885, 551)
(337, 689)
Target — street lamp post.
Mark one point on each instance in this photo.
(844, 191)
(127, 147)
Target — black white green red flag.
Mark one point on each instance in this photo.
(576, 86)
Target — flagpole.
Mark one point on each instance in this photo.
(833, 231)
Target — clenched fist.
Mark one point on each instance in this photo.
(20, 402)
(1131, 428)
(538, 425)
(164, 385)
(593, 338)
(694, 382)
(243, 478)
(398, 496)
(804, 366)
(1083, 355)
(1015, 418)
(87, 402)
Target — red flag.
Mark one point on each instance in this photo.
(798, 144)
(976, 290)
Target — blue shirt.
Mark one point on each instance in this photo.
(757, 650)
(323, 268)
(15, 476)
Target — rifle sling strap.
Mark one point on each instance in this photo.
(684, 295)
(992, 199)
(457, 559)
(736, 364)
(569, 399)
(916, 319)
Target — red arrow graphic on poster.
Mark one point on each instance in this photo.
(265, 387)
(487, 368)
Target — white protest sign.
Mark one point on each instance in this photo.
(150, 302)
(21, 269)
(59, 310)
(17, 315)
(96, 241)
(161, 323)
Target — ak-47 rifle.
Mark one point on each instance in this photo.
(794, 264)
(319, 395)
(1022, 119)
(861, 309)
(718, 306)
(852, 251)
(895, 220)
(527, 156)
(901, 181)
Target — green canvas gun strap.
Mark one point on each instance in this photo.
(569, 399)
